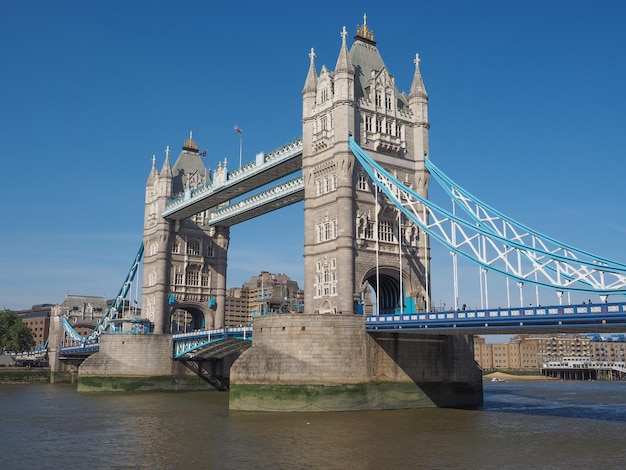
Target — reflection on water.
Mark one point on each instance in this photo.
(522, 425)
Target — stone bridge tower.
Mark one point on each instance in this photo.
(184, 274)
(351, 248)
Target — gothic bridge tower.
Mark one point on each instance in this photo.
(351, 247)
(184, 274)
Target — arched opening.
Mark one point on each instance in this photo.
(186, 319)
(382, 294)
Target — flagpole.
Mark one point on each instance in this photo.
(240, 132)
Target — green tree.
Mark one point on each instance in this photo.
(15, 336)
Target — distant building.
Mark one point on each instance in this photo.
(265, 293)
(530, 352)
(83, 312)
(37, 318)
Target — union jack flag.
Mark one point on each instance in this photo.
(238, 131)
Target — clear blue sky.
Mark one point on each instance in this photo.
(527, 111)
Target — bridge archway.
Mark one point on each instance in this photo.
(188, 317)
(382, 294)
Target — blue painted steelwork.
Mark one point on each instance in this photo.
(592, 316)
(498, 247)
(187, 342)
(113, 310)
(82, 350)
(39, 352)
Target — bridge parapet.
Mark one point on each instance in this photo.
(586, 317)
(185, 343)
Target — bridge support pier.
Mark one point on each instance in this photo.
(132, 363)
(330, 363)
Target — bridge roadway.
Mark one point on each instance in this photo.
(585, 318)
(263, 171)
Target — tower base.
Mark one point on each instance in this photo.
(308, 362)
(136, 363)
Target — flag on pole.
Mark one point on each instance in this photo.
(238, 131)
(202, 154)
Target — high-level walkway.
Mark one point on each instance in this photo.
(264, 170)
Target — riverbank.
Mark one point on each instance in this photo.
(24, 375)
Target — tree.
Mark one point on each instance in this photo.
(15, 336)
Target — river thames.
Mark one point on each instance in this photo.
(523, 424)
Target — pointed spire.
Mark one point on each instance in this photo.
(167, 168)
(153, 171)
(311, 79)
(417, 87)
(343, 61)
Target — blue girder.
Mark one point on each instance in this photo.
(113, 310)
(482, 242)
(185, 343)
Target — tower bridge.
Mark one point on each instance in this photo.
(367, 338)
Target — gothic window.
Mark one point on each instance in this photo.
(398, 130)
(210, 251)
(378, 99)
(205, 280)
(388, 102)
(192, 278)
(324, 95)
(326, 278)
(362, 183)
(326, 231)
(175, 247)
(385, 231)
(388, 127)
(368, 123)
(379, 125)
(324, 123)
(369, 230)
(193, 247)
(178, 279)
(326, 184)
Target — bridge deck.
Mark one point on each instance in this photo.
(609, 317)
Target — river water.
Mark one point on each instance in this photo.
(523, 424)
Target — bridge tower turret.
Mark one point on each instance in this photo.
(353, 243)
(184, 274)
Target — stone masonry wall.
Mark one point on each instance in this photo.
(311, 349)
(132, 355)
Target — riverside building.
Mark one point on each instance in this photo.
(530, 352)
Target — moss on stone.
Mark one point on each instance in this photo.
(348, 397)
(129, 384)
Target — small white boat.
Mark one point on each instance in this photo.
(497, 379)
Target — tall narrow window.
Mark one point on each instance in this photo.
(193, 247)
(362, 184)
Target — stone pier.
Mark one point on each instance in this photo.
(134, 363)
(301, 362)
